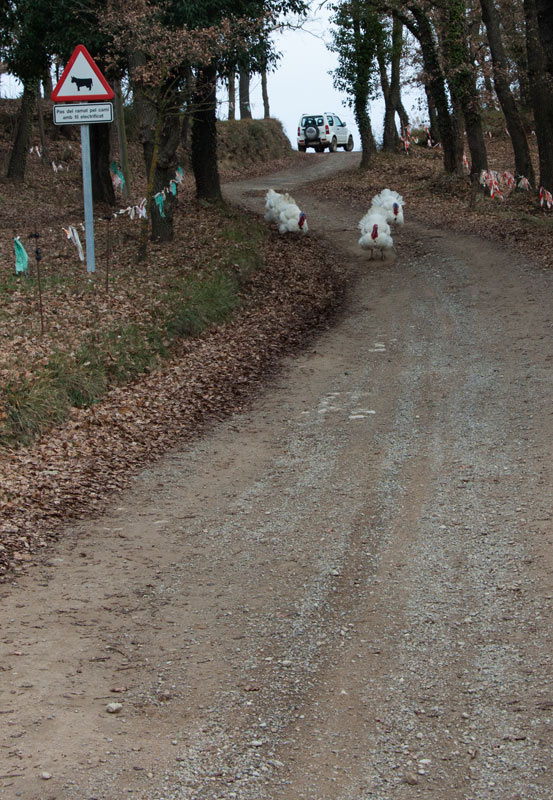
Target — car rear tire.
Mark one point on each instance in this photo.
(302, 148)
(319, 148)
(333, 145)
(311, 132)
(349, 146)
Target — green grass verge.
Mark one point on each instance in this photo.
(114, 357)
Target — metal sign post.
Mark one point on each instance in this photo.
(82, 80)
(87, 194)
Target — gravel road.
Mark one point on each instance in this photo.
(344, 593)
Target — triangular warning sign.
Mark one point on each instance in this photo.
(81, 80)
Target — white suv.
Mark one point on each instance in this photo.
(323, 130)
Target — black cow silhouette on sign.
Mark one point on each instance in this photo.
(86, 82)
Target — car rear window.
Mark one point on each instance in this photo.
(311, 121)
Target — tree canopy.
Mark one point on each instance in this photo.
(474, 57)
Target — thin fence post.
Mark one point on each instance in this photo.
(38, 256)
(108, 218)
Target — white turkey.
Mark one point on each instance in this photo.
(283, 210)
(376, 237)
(374, 215)
(274, 202)
(390, 203)
(292, 220)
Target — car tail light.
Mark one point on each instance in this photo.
(299, 130)
(327, 131)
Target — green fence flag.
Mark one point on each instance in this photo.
(159, 198)
(116, 176)
(21, 257)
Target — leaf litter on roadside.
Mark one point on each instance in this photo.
(71, 471)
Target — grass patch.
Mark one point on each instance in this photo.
(114, 357)
(94, 341)
(243, 251)
(126, 352)
(203, 303)
(81, 382)
(27, 409)
(8, 284)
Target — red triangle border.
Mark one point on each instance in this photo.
(109, 94)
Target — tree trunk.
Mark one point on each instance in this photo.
(391, 89)
(475, 141)
(395, 73)
(390, 139)
(542, 95)
(489, 89)
(122, 138)
(432, 117)
(204, 136)
(521, 151)
(447, 124)
(22, 140)
(265, 93)
(368, 144)
(244, 93)
(544, 9)
(189, 88)
(150, 157)
(45, 150)
(157, 114)
(160, 143)
(146, 112)
(100, 159)
(165, 168)
(514, 40)
(462, 84)
(361, 92)
(47, 87)
(231, 81)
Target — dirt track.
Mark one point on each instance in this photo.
(345, 593)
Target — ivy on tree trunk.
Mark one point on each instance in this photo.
(361, 87)
(462, 83)
(358, 32)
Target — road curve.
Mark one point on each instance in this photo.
(344, 593)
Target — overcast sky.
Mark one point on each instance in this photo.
(301, 83)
